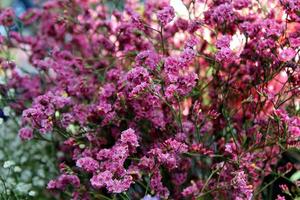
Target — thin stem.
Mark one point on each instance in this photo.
(162, 40)
(266, 186)
(208, 180)
(209, 191)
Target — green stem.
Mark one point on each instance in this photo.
(266, 186)
(208, 180)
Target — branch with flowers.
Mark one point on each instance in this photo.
(145, 102)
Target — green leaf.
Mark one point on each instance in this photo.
(295, 176)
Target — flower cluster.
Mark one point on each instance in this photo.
(145, 103)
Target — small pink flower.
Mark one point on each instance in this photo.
(225, 55)
(287, 54)
(52, 185)
(223, 42)
(63, 181)
(190, 190)
(280, 197)
(7, 16)
(26, 133)
(170, 91)
(88, 164)
(240, 4)
(294, 42)
(102, 179)
(166, 15)
(129, 137)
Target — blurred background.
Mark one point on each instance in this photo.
(19, 5)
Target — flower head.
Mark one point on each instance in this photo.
(166, 15)
(88, 164)
(287, 54)
(26, 133)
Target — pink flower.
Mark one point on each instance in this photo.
(63, 181)
(240, 183)
(187, 56)
(191, 190)
(149, 197)
(147, 163)
(279, 197)
(7, 16)
(149, 58)
(240, 4)
(105, 179)
(221, 14)
(225, 55)
(30, 16)
(157, 185)
(295, 42)
(120, 185)
(171, 91)
(182, 24)
(88, 164)
(287, 54)
(26, 133)
(223, 42)
(102, 179)
(176, 146)
(166, 15)
(129, 137)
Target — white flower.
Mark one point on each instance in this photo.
(8, 164)
(6, 110)
(17, 169)
(23, 187)
(32, 193)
